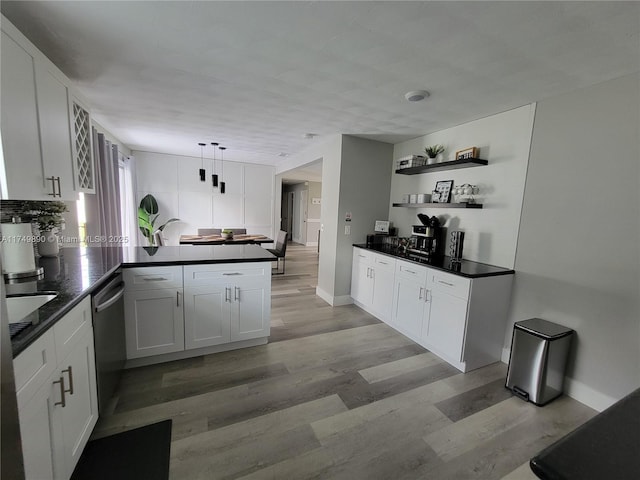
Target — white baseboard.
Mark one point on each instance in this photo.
(577, 390)
(334, 301)
(587, 395)
(311, 244)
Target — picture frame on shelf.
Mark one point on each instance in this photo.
(466, 153)
(443, 191)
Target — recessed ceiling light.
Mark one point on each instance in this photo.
(416, 95)
(310, 136)
(283, 154)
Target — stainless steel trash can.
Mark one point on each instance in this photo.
(539, 352)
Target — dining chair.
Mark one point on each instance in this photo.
(279, 251)
(209, 231)
(159, 238)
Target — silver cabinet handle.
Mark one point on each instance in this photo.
(177, 299)
(53, 186)
(384, 263)
(427, 295)
(62, 401)
(227, 294)
(59, 189)
(232, 273)
(420, 294)
(362, 256)
(154, 279)
(70, 372)
(373, 273)
(237, 291)
(446, 283)
(410, 271)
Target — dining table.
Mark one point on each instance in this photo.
(237, 239)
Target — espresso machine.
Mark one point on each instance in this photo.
(427, 239)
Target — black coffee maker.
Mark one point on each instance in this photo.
(427, 238)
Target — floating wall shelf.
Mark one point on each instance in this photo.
(448, 165)
(438, 205)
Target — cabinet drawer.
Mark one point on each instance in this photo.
(152, 278)
(362, 255)
(451, 284)
(410, 270)
(207, 274)
(71, 328)
(34, 366)
(384, 262)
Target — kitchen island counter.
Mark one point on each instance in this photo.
(80, 271)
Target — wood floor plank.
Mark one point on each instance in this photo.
(475, 400)
(391, 369)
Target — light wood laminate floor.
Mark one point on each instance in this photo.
(336, 394)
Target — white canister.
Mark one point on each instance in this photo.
(423, 198)
(413, 198)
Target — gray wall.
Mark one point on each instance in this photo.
(578, 252)
(365, 186)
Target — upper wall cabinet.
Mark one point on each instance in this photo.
(39, 131)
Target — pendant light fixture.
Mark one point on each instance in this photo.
(214, 176)
(222, 184)
(202, 171)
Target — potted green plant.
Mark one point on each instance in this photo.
(433, 151)
(227, 234)
(48, 217)
(147, 216)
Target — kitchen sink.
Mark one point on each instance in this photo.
(21, 306)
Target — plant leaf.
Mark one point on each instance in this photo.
(149, 204)
(171, 220)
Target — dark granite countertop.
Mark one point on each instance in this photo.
(466, 268)
(79, 271)
(607, 446)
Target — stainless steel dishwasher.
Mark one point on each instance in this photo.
(109, 339)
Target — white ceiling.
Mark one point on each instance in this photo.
(256, 76)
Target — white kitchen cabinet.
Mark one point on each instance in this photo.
(409, 294)
(36, 123)
(154, 321)
(207, 315)
(372, 284)
(57, 417)
(226, 303)
(154, 317)
(460, 319)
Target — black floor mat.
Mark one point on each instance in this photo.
(142, 453)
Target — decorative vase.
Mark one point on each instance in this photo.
(431, 160)
(49, 246)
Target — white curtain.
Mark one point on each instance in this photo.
(128, 208)
(104, 225)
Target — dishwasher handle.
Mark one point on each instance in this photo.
(111, 300)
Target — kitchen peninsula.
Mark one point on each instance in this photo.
(78, 272)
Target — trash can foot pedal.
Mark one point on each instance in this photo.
(521, 393)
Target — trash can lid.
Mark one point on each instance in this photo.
(543, 328)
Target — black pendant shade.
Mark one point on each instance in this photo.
(222, 187)
(203, 174)
(214, 180)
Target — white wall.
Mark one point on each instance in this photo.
(578, 256)
(490, 233)
(174, 181)
(313, 213)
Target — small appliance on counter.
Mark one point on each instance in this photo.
(18, 256)
(427, 238)
(382, 229)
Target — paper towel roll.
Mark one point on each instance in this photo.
(17, 248)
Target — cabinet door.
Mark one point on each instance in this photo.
(41, 432)
(361, 281)
(20, 133)
(251, 309)
(154, 322)
(207, 315)
(55, 133)
(408, 307)
(80, 412)
(382, 279)
(445, 326)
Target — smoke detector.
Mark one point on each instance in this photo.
(416, 95)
